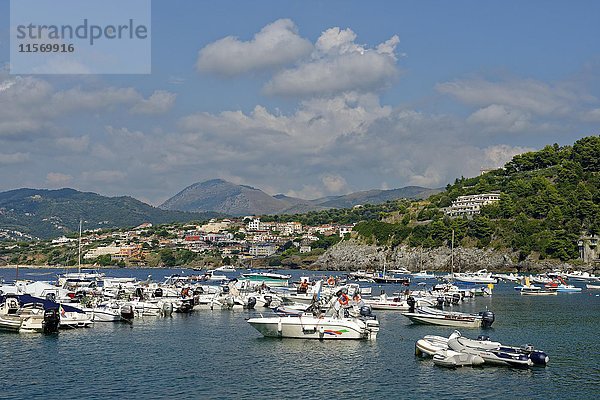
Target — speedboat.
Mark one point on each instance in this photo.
(434, 316)
(398, 303)
(309, 326)
(17, 316)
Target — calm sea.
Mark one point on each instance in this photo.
(217, 355)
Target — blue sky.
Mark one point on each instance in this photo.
(310, 98)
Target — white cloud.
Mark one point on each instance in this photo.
(57, 179)
(338, 64)
(498, 155)
(159, 102)
(13, 158)
(526, 95)
(501, 118)
(277, 44)
(334, 183)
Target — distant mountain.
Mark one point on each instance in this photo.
(49, 213)
(225, 197)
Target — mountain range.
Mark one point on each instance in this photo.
(41, 213)
(237, 200)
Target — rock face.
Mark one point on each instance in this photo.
(350, 255)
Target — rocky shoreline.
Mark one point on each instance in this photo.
(350, 255)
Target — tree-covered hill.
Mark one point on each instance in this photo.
(49, 213)
(548, 198)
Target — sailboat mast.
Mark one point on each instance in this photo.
(79, 251)
(452, 254)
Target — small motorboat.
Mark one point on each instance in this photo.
(433, 316)
(590, 286)
(497, 353)
(310, 326)
(491, 352)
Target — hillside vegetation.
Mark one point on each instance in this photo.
(548, 198)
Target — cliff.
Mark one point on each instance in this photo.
(350, 255)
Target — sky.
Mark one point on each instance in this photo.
(310, 98)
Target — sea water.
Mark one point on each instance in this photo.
(217, 354)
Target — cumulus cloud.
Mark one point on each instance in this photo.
(277, 44)
(338, 64)
(497, 117)
(334, 183)
(159, 102)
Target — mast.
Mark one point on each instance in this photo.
(79, 251)
(452, 254)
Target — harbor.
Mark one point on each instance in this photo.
(217, 354)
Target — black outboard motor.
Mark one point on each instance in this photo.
(139, 292)
(268, 300)
(366, 312)
(198, 291)
(487, 319)
(51, 297)
(440, 302)
(251, 303)
(411, 304)
(127, 312)
(455, 298)
(158, 292)
(51, 320)
(539, 357)
(186, 306)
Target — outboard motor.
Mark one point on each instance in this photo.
(185, 307)
(539, 357)
(139, 292)
(251, 303)
(127, 312)
(51, 296)
(455, 298)
(51, 320)
(158, 292)
(487, 319)
(440, 302)
(268, 300)
(198, 291)
(366, 312)
(167, 309)
(411, 304)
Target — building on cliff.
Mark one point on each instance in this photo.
(471, 205)
(588, 249)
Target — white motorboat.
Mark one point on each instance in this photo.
(433, 316)
(481, 276)
(399, 271)
(15, 316)
(107, 311)
(226, 268)
(590, 286)
(309, 326)
(268, 278)
(398, 303)
(423, 275)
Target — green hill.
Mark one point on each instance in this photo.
(548, 198)
(49, 213)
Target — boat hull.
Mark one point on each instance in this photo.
(441, 320)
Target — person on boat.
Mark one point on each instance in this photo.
(357, 300)
(343, 303)
(185, 292)
(303, 288)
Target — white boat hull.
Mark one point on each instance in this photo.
(307, 327)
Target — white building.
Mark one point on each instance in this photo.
(262, 250)
(471, 205)
(102, 251)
